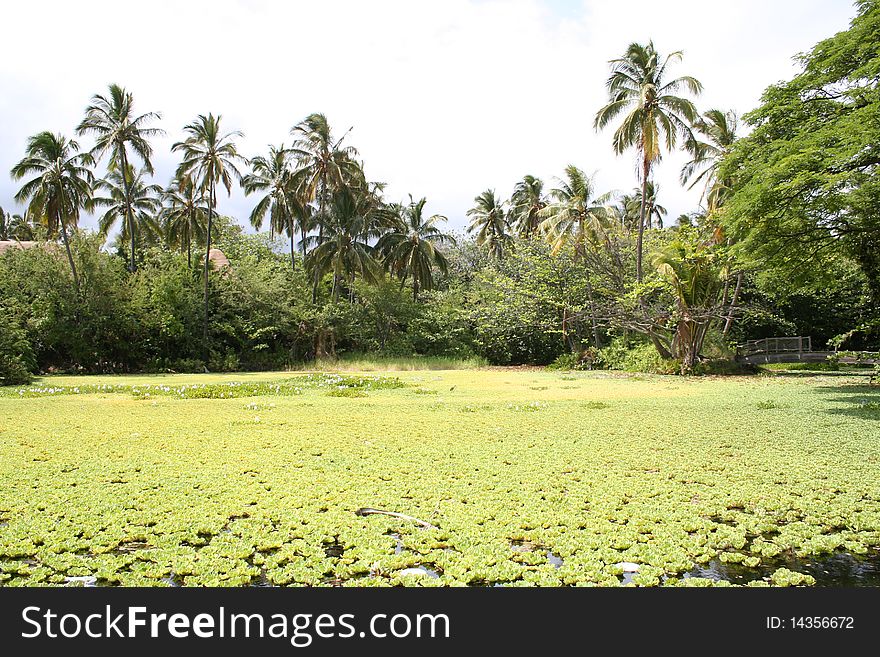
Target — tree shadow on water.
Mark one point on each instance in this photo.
(857, 400)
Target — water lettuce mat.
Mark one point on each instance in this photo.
(432, 478)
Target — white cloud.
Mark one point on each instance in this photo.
(446, 98)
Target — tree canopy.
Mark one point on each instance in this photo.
(805, 179)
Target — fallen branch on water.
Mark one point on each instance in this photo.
(394, 514)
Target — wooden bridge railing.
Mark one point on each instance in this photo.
(797, 344)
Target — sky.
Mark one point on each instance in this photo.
(444, 98)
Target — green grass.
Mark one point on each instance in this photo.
(263, 485)
(373, 363)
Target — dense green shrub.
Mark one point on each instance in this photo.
(262, 315)
(16, 355)
(93, 329)
(582, 360)
(636, 357)
(724, 367)
(166, 297)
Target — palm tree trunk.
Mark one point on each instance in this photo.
(129, 215)
(290, 230)
(565, 328)
(69, 253)
(733, 300)
(593, 322)
(189, 251)
(321, 206)
(211, 201)
(646, 165)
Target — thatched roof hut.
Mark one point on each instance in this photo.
(6, 245)
(218, 260)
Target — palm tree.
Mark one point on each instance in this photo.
(60, 188)
(15, 227)
(131, 198)
(323, 162)
(343, 247)
(718, 130)
(5, 221)
(653, 210)
(410, 248)
(575, 214)
(653, 115)
(323, 165)
(184, 215)
(116, 128)
(526, 204)
(626, 211)
(694, 273)
(209, 156)
(489, 221)
(273, 176)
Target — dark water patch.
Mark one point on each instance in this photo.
(842, 569)
(490, 583)
(127, 547)
(173, 579)
(106, 583)
(333, 549)
(554, 559)
(261, 580)
(718, 520)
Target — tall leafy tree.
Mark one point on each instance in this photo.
(526, 203)
(273, 176)
(713, 137)
(653, 116)
(410, 248)
(490, 223)
(59, 185)
(805, 178)
(210, 157)
(128, 200)
(184, 216)
(118, 130)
